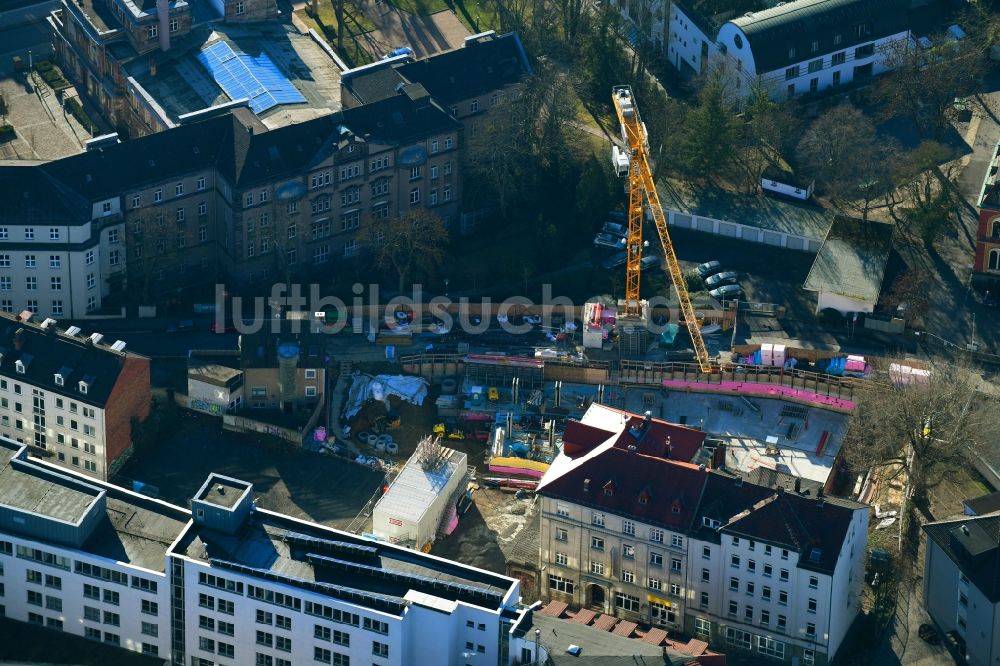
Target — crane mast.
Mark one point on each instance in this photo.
(641, 183)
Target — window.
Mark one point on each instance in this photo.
(765, 617)
(702, 627)
(790, 91)
(114, 619)
(703, 599)
(150, 607)
(240, 8)
(597, 543)
(782, 622)
(34, 598)
(734, 561)
(91, 591)
(813, 582)
(656, 559)
(351, 220)
(627, 602)
(705, 575)
(283, 643)
(734, 608)
(734, 584)
(446, 170)
(350, 196)
(380, 649)
(200, 183)
(628, 527)
(351, 248)
(112, 597)
(152, 31)
(655, 584)
(560, 584)
(264, 638)
(765, 593)
(675, 564)
(414, 196)
(31, 282)
(206, 644)
(750, 587)
(808, 657)
(29, 233)
(811, 630)
(748, 614)
(447, 146)
(811, 606)
(677, 541)
(838, 58)
(597, 519)
(770, 647)
(91, 281)
(350, 171)
(597, 568)
(29, 261)
(865, 51)
(562, 559)
(836, 78)
(150, 629)
(4, 261)
(783, 597)
(768, 570)
(813, 85)
(655, 535)
(751, 565)
(791, 53)
(561, 534)
(738, 638)
(783, 575)
(55, 582)
(5, 281)
(628, 551)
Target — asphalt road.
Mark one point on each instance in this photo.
(23, 29)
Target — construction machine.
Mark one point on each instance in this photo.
(634, 162)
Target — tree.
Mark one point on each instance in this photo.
(925, 82)
(920, 432)
(910, 288)
(711, 128)
(765, 127)
(413, 241)
(594, 194)
(844, 152)
(927, 192)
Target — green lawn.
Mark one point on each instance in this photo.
(357, 25)
(420, 7)
(476, 16)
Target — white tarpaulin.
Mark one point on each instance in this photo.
(365, 387)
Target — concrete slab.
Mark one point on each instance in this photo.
(746, 431)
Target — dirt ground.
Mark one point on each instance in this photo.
(299, 483)
(490, 526)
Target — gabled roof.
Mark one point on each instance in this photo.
(44, 353)
(984, 504)
(973, 544)
(771, 33)
(480, 65)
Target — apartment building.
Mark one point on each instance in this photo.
(962, 583)
(220, 198)
(71, 398)
(227, 583)
(629, 529)
(986, 261)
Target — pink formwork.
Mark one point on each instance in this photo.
(522, 471)
(764, 391)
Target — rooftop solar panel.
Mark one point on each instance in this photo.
(255, 78)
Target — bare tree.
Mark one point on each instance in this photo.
(843, 151)
(415, 240)
(152, 247)
(766, 125)
(921, 432)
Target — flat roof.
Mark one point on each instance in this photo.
(136, 530)
(753, 210)
(30, 489)
(222, 491)
(415, 489)
(557, 634)
(852, 260)
(302, 554)
(212, 373)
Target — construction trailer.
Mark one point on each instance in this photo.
(420, 504)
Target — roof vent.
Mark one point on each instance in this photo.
(48, 323)
(701, 467)
(118, 346)
(965, 530)
(631, 448)
(221, 489)
(586, 485)
(73, 330)
(96, 338)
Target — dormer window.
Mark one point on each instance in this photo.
(675, 507)
(19, 366)
(60, 380)
(643, 497)
(609, 488)
(815, 553)
(83, 387)
(710, 522)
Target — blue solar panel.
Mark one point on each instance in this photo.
(241, 75)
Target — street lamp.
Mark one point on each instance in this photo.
(446, 281)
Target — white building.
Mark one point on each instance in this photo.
(421, 497)
(54, 265)
(793, 47)
(629, 531)
(962, 583)
(71, 396)
(227, 583)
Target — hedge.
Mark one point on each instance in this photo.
(7, 133)
(74, 108)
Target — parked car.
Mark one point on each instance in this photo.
(402, 50)
(649, 261)
(618, 216)
(615, 229)
(533, 319)
(609, 241)
(181, 326)
(403, 316)
(615, 260)
(719, 279)
(708, 268)
(727, 291)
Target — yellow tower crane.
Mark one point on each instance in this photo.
(640, 180)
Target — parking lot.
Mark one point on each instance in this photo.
(286, 479)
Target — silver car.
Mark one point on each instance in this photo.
(719, 279)
(727, 292)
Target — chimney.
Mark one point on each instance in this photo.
(631, 448)
(163, 16)
(781, 490)
(819, 493)
(586, 485)
(19, 339)
(798, 485)
(647, 418)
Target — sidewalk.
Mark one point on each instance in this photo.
(426, 35)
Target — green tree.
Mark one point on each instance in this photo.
(766, 125)
(711, 128)
(594, 194)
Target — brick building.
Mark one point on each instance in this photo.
(986, 264)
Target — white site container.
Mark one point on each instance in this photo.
(767, 354)
(778, 356)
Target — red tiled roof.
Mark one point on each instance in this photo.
(654, 636)
(605, 622)
(614, 479)
(553, 609)
(693, 647)
(625, 628)
(661, 439)
(583, 616)
(579, 437)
